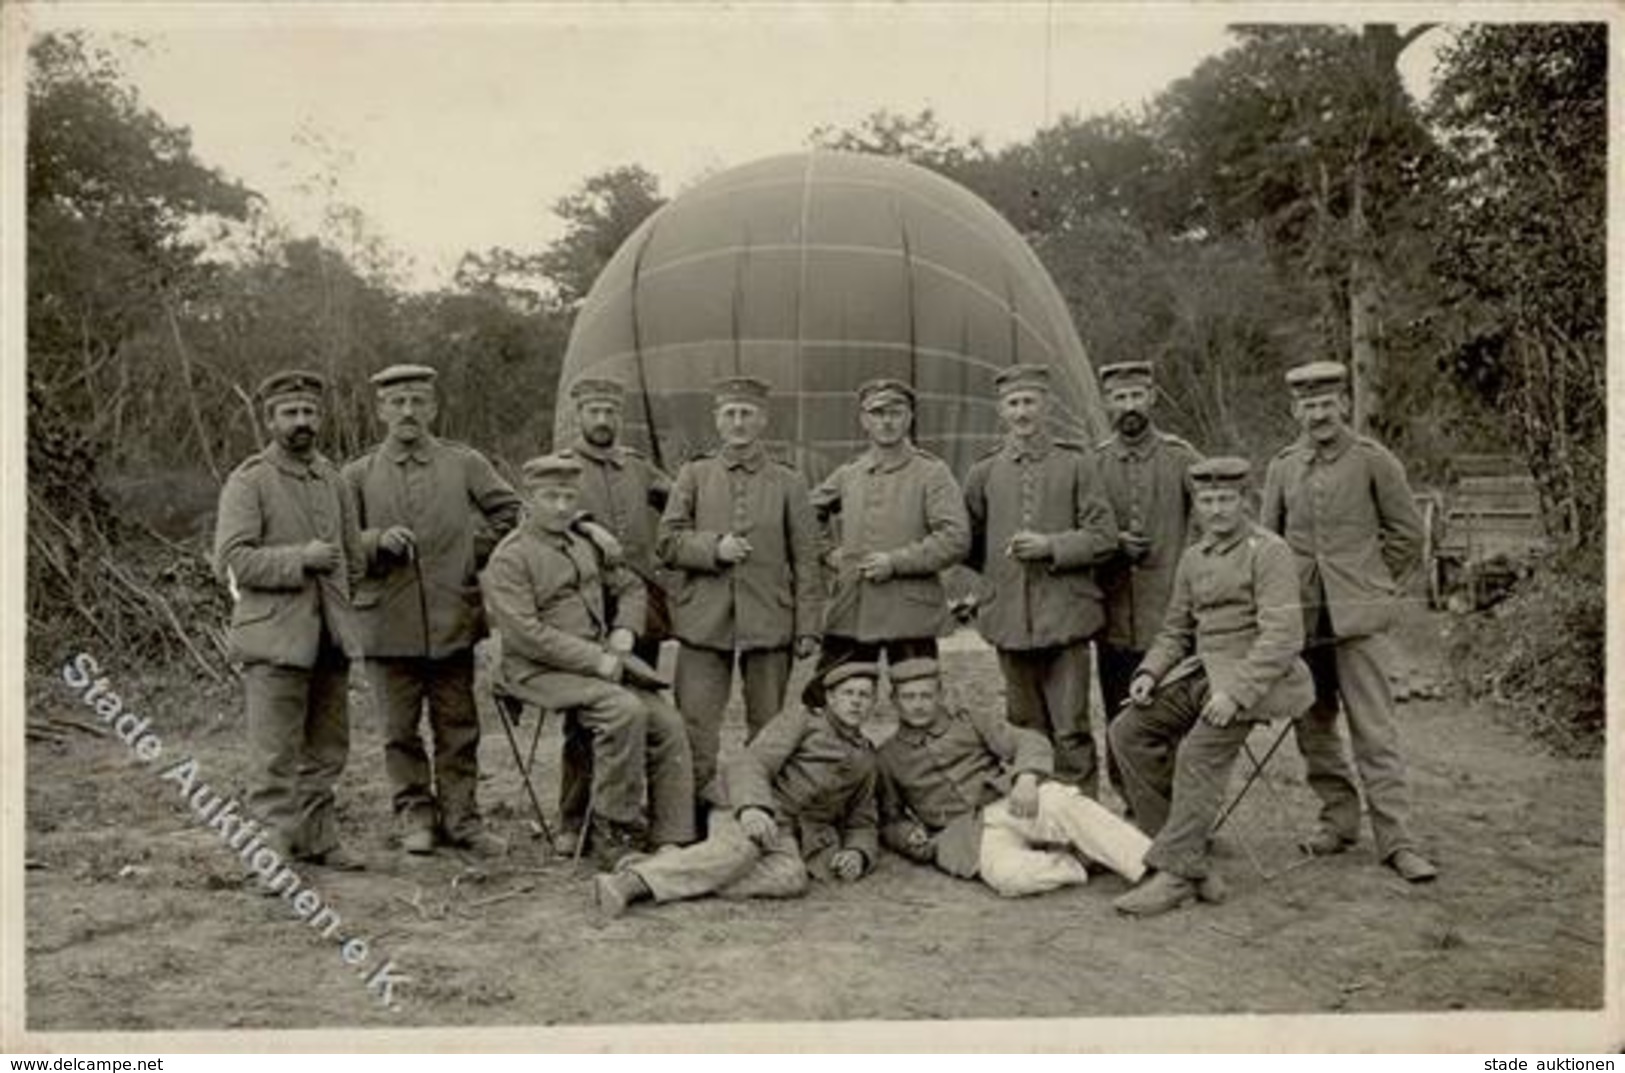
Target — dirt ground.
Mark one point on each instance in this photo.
(135, 919)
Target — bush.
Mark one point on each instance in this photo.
(1541, 652)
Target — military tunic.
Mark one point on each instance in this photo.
(1346, 511)
(816, 778)
(1040, 615)
(294, 631)
(420, 615)
(555, 603)
(1232, 627)
(1145, 483)
(749, 611)
(911, 508)
(950, 777)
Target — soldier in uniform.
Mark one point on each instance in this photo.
(1342, 502)
(430, 512)
(739, 531)
(799, 802)
(1039, 522)
(900, 518)
(287, 545)
(971, 794)
(568, 618)
(624, 493)
(1142, 469)
(1225, 659)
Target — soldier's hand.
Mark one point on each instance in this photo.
(609, 667)
(759, 826)
(319, 557)
(918, 845)
(621, 640)
(732, 549)
(876, 566)
(1030, 547)
(1023, 798)
(846, 864)
(398, 541)
(806, 647)
(609, 547)
(1136, 545)
(1220, 709)
(964, 609)
(1141, 688)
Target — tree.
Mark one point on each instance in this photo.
(1522, 110)
(598, 218)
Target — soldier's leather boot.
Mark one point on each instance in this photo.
(1163, 892)
(1326, 842)
(614, 891)
(1412, 866)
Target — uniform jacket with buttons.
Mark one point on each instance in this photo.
(1050, 487)
(457, 508)
(771, 597)
(942, 775)
(1145, 484)
(910, 508)
(554, 602)
(1234, 615)
(816, 777)
(270, 508)
(1346, 511)
(624, 492)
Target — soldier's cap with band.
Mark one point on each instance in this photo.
(873, 394)
(291, 384)
(912, 670)
(552, 469)
(597, 389)
(752, 390)
(1022, 378)
(397, 375)
(1221, 471)
(1121, 373)
(1317, 378)
(843, 671)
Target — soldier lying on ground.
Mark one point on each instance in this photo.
(799, 800)
(974, 795)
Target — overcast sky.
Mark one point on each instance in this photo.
(458, 126)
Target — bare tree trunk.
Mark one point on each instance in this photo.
(191, 391)
(1365, 359)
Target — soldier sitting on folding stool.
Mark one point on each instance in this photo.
(1226, 659)
(970, 793)
(549, 593)
(798, 802)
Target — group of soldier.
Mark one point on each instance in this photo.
(1204, 622)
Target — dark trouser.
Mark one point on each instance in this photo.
(837, 649)
(704, 680)
(575, 763)
(299, 731)
(401, 686)
(639, 750)
(1353, 670)
(1047, 690)
(1176, 770)
(1117, 667)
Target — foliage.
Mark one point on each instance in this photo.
(598, 218)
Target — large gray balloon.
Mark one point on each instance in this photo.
(818, 271)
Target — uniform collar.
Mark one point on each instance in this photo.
(749, 458)
(419, 452)
(1331, 452)
(936, 728)
(850, 735)
(602, 455)
(872, 460)
(1213, 546)
(287, 463)
(1139, 451)
(1034, 448)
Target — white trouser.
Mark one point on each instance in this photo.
(1012, 866)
